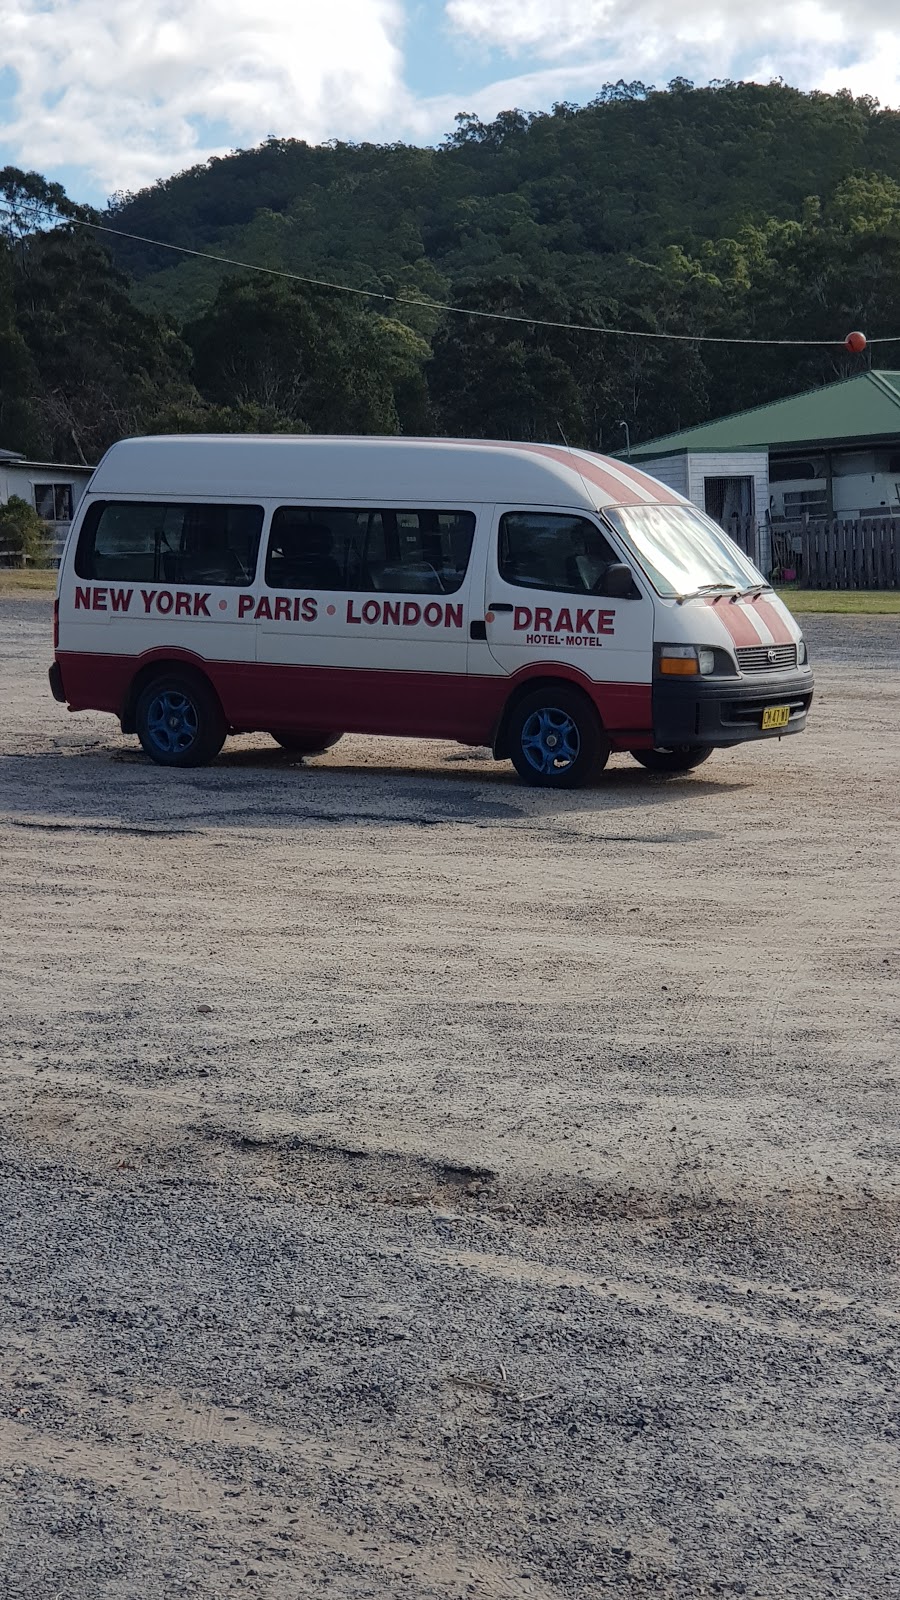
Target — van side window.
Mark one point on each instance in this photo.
(540, 550)
(132, 541)
(398, 552)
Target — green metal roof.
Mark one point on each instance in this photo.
(854, 411)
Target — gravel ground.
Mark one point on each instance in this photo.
(418, 1186)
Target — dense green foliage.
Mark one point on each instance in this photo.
(22, 530)
(738, 210)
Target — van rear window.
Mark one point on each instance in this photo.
(397, 552)
(153, 542)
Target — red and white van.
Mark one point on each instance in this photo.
(547, 602)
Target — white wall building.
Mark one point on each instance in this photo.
(52, 489)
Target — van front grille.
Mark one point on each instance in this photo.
(749, 712)
(766, 657)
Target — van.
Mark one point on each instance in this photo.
(548, 602)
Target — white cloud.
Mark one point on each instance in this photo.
(554, 29)
(125, 87)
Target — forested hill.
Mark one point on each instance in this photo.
(736, 210)
(555, 193)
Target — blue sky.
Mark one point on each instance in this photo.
(104, 96)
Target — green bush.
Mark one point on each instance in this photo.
(23, 532)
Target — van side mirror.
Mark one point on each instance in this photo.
(618, 583)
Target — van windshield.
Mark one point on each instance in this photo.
(681, 550)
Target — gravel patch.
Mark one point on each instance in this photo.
(413, 1185)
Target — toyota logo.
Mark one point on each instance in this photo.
(771, 655)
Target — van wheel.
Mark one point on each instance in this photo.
(681, 758)
(306, 744)
(555, 739)
(179, 721)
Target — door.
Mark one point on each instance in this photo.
(363, 619)
(545, 611)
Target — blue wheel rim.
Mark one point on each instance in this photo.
(172, 722)
(550, 741)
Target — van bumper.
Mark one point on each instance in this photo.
(720, 711)
(56, 683)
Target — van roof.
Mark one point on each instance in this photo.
(393, 470)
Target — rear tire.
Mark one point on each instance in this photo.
(555, 739)
(179, 720)
(306, 744)
(681, 758)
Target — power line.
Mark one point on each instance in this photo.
(467, 311)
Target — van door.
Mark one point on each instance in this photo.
(544, 608)
(370, 607)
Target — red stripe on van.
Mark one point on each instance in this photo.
(770, 618)
(618, 493)
(428, 705)
(636, 492)
(732, 616)
(648, 484)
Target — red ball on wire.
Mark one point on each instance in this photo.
(856, 343)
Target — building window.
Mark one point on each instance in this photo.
(396, 552)
(541, 551)
(143, 541)
(53, 501)
(793, 471)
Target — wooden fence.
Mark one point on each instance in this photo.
(56, 543)
(849, 555)
(860, 554)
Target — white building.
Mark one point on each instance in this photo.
(830, 453)
(52, 489)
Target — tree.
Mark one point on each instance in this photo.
(19, 427)
(102, 364)
(29, 204)
(22, 530)
(310, 358)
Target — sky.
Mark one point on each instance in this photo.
(109, 95)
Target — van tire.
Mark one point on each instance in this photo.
(306, 744)
(681, 758)
(179, 720)
(554, 738)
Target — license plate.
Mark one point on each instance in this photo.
(776, 717)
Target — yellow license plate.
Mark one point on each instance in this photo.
(776, 717)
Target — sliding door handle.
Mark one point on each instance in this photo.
(499, 606)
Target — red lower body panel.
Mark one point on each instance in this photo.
(429, 705)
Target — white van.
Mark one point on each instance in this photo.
(547, 602)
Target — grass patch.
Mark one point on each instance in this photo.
(861, 602)
(27, 580)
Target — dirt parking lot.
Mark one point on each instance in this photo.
(418, 1186)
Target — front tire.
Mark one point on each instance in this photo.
(681, 758)
(306, 744)
(179, 721)
(555, 739)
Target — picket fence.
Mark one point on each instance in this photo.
(850, 555)
(859, 554)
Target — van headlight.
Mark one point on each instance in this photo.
(692, 661)
(802, 653)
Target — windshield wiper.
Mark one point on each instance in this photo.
(708, 588)
(756, 588)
